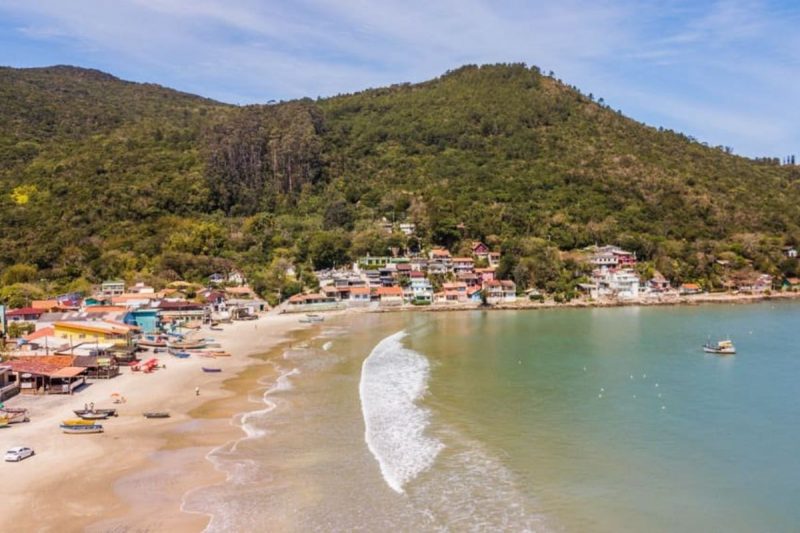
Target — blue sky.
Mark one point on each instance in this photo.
(725, 72)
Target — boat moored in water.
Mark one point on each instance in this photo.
(211, 369)
(724, 347)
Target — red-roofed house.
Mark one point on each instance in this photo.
(500, 291)
(390, 295)
(480, 250)
(24, 314)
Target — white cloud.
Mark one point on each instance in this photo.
(736, 60)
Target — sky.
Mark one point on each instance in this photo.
(724, 72)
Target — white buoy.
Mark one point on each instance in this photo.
(602, 389)
(599, 395)
(663, 407)
(584, 369)
(631, 376)
(634, 396)
(644, 376)
(659, 395)
(656, 384)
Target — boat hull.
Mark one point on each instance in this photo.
(81, 429)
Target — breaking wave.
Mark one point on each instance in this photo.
(393, 379)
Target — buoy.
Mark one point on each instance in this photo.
(599, 395)
(602, 389)
(631, 376)
(644, 376)
(663, 407)
(656, 384)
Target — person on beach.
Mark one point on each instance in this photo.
(197, 391)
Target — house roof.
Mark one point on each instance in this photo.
(39, 333)
(454, 285)
(40, 364)
(390, 291)
(690, 286)
(96, 327)
(24, 311)
(68, 372)
(359, 290)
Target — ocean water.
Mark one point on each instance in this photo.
(557, 420)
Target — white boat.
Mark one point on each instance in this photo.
(724, 347)
(312, 319)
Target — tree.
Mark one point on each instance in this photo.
(328, 249)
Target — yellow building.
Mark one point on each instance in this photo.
(94, 331)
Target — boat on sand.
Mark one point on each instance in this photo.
(79, 429)
(156, 414)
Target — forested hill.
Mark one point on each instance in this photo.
(102, 178)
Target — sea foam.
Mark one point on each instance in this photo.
(393, 379)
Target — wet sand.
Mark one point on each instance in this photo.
(134, 475)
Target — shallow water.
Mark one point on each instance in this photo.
(575, 419)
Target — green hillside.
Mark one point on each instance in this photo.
(103, 178)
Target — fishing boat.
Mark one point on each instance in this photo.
(156, 414)
(186, 345)
(79, 429)
(151, 343)
(14, 414)
(4, 422)
(77, 422)
(724, 347)
(211, 369)
(312, 319)
(180, 355)
(106, 412)
(93, 416)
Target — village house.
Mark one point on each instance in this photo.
(480, 250)
(25, 314)
(420, 288)
(790, 252)
(463, 265)
(390, 295)
(359, 296)
(112, 288)
(455, 292)
(407, 229)
(475, 294)
(791, 283)
(141, 288)
(494, 259)
(486, 274)
(658, 283)
(441, 255)
(500, 291)
(311, 302)
(77, 332)
(54, 374)
(622, 284)
(687, 289)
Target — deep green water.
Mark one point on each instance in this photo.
(566, 420)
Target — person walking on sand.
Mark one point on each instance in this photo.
(197, 391)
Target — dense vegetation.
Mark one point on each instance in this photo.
(103, 178)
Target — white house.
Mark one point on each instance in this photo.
(420, 289)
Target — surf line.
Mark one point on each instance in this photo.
(393, 379)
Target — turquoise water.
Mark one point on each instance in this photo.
(565, 420)
(613, 419)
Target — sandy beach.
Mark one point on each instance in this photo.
(134, 475)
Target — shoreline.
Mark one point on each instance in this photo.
(522, 305)
(136, 474)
